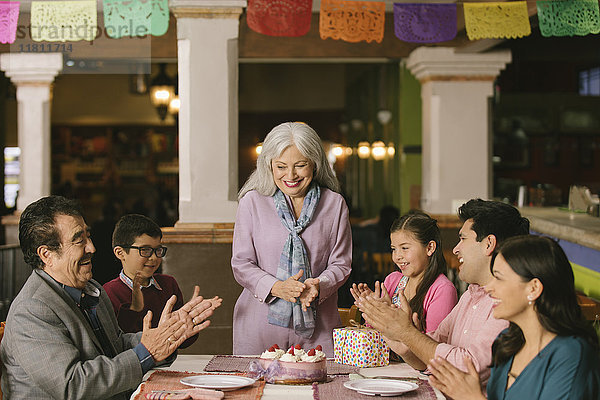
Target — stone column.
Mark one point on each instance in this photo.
(207, 55)
(33, 75)
(455, 93)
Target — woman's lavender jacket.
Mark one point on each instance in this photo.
(258, 240)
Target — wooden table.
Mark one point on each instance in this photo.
(196, 363)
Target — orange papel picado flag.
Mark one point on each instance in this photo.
(352, 21)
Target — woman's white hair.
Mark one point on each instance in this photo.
(280, 138)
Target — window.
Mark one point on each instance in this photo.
(589, 82)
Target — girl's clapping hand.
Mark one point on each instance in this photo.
(361, 289)
(381, 293)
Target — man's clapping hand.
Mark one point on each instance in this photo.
(174, 327)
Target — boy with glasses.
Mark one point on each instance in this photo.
(136, 242)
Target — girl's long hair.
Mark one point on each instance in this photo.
(424, 229)
(557, 309)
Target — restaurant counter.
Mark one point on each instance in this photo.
(578, 228)
(579, 236)
(196, 363)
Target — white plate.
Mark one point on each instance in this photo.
(382, 387)
(218, 382)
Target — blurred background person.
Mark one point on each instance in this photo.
(105, 265)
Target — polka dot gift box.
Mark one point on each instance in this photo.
(362, 347)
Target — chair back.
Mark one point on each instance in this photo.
(379, 264)
(383, 263)
(590, 308)
(347, 314)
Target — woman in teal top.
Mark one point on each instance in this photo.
(549, 351)
(567, 368)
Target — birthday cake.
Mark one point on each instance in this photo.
(295, 366)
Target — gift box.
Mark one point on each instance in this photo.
(362, 347)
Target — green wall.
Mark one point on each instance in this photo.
(409, 135)
(586, 280)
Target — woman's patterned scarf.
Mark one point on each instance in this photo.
(293, 259)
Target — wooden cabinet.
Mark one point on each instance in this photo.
(134, 167)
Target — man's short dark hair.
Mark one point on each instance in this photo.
(37, 226)
(494, 218)
(132, 226)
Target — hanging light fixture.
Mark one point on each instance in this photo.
(357, 124)
(364, 150)
(391, 150)
(337, 150)
(258, 148)
(162, 91)
(378, 150)
(174, 103)
(384, 116)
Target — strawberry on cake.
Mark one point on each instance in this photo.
(296, 366)
(272, 353)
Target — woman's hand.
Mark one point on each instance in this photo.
(310, 292)
(289, 289)
(453, 382)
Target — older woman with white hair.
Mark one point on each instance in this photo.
(292, 246)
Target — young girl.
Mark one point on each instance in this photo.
(417, 251)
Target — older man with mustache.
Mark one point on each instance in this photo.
(62, 340)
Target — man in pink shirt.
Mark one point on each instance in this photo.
(470, 329)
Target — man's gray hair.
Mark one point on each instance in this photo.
(280, 138)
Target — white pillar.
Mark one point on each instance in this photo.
(33, 75)
(455, 92)
(207, 55)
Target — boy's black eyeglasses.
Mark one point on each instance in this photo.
(147, 251)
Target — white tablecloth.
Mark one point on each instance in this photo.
(196, 363)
